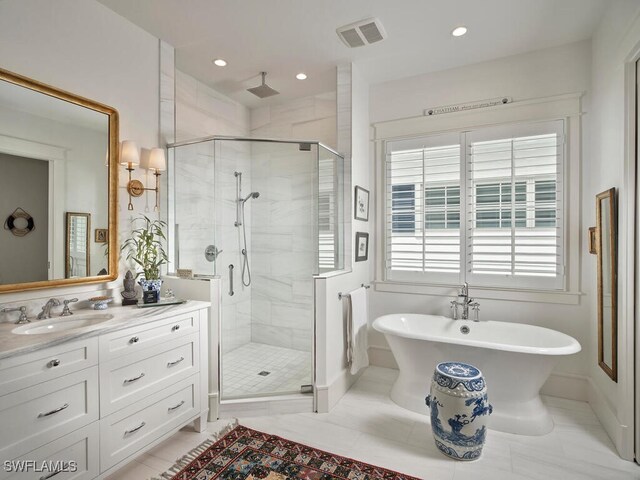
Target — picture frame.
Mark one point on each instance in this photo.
(593, 246)
(361, 204)
(101, 235)
(362, 246)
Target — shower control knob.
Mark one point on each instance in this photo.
(211, 253)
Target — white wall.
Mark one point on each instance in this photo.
(353, 142)
(617, 37)
(83, 47)
(555, 71)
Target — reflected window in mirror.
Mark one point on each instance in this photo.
(58, 154)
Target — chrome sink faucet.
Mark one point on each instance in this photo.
(46, 310)
(464, 302)
(23, 314)
(66, 311)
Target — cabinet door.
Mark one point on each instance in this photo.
(34, 416)
(74, 457)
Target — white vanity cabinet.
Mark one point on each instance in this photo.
(94, 404)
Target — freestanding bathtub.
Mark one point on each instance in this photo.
(515, 359)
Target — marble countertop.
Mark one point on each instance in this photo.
(12, 344)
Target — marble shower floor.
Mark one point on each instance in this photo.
(287, 370)
(368, 426)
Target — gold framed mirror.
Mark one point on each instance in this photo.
(607, 251)
(58, 154)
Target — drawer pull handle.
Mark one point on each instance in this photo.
(64, 468)
(175, 328)
(171, 409)
(134, 340)
(131, 380)
(133, 430)
(175, 362)
(53, 363)
(56, 410)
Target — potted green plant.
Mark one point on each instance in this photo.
(145, 248)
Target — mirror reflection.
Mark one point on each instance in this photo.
(54, 160)
(78, 257)
(607, 287)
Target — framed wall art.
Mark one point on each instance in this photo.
(101, 235)
(362, 246)
(361, 204)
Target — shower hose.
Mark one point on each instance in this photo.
(246, 269)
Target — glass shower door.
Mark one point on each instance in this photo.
(266, 205)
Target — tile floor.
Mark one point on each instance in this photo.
(288, 370)
(368, 426)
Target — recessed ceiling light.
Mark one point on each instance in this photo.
(301, 76)
(459, 31)
(220, 62)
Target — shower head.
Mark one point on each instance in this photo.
(264, 90)
(251, 195)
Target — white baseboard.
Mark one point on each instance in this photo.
(214, 403)
(609, 421)
(382, 357)
(267, 406)
(329, 395)
(567, 385)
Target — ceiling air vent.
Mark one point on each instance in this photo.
(364, 32)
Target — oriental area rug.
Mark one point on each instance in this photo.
(246, 454)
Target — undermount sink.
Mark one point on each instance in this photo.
(60, 324)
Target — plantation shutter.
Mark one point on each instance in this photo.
(515, 206)
(327, 215)
(422, 214)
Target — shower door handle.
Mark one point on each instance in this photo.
(231, 280)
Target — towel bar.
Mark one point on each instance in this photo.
(342, 295)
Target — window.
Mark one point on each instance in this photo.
(403, 199)
(442, 205)
(482, 206)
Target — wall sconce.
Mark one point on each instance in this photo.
(154, 161)
(130, 158)
(157, 163)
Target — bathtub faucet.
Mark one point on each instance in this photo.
(463, 301)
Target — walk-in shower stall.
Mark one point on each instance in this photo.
(263, 217)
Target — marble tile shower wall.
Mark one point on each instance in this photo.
(283, 242)
(203, 112)
(307, 118)
(283, 247)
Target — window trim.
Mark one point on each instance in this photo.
(562, 107)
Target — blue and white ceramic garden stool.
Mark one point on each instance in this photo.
(459, 410)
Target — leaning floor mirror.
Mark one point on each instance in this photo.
(607, 251)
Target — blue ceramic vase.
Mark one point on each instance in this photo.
(150, 290)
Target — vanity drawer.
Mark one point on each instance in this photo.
(34, 416)
(138, 338)
(22, 371)
(131, 378)
(131, 429)
(78, 451)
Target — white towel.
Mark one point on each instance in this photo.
(357, 322)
